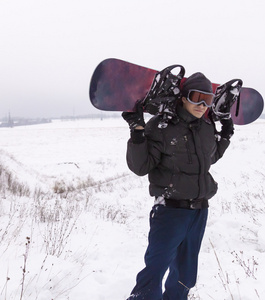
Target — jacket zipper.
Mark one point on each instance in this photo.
(188, 149)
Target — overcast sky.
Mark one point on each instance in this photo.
(49, 48)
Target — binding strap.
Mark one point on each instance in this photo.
(225, 96)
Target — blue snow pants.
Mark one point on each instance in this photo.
(173, 243)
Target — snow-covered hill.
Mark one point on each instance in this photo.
(74, 219)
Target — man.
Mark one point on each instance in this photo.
(177, 159)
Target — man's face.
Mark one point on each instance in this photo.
(196, 110)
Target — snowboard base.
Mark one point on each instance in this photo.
(116, 85)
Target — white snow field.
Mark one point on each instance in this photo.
(74, 219)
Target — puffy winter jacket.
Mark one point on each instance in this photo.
(177, 158)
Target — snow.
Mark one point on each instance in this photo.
(74, 219)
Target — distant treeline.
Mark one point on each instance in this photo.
(23, 122)
(103, 115)
(12, 122)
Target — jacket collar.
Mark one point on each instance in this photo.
(185, 115)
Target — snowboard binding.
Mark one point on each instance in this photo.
(161, 98)
(225, 96)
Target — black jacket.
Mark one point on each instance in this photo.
(177, 158)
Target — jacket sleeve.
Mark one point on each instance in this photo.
(221, 146)
(143, 157)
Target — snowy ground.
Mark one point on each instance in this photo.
(74, 219)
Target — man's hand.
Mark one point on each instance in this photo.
(135, 119)
(227, 128)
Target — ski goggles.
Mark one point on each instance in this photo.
(198, 97)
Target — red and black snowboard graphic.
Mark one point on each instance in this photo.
(116, 85)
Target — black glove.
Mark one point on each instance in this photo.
(227, 128)
(136, 118)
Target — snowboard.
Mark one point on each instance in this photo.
(116, 85)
